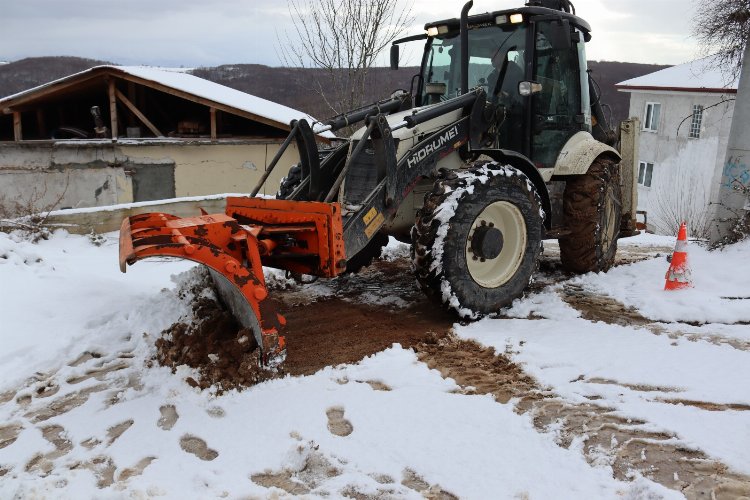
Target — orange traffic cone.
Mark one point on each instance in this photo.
(678, 274)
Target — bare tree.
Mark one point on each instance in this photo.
(723, 27)
(29, 212)
(686, 200)
(342, 38)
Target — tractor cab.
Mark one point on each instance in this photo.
(532, 64)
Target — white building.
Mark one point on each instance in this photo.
(686, 114)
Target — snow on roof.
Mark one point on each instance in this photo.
(178, 79)
(701, 75)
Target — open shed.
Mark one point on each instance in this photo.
(117, 134)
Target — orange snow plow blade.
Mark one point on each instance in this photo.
(303, 237)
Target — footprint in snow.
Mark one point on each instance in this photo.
(337, 424)
(116, 431)
(168, 417)
(197, 447)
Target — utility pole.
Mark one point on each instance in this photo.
(734, 193)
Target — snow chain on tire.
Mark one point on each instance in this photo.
(592, 204)
(449, 269)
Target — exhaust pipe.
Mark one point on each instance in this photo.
(465, 46)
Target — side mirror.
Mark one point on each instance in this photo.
(394, 56)
(529, 88)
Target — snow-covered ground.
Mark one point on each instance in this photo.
(84, 412)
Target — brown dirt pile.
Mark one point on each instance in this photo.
(225, 355)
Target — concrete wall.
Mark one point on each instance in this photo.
(107, 219)
(99, 173)
(687, 172)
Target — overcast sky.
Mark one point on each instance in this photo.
(198, 33)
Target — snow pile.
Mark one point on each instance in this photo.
(721, 292)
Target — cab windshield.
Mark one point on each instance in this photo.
(488, 47)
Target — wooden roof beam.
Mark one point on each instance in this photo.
(205, 102)
(138, 113)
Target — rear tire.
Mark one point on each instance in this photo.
(592, 204)
(477, 239)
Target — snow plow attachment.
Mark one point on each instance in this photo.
(304, 237)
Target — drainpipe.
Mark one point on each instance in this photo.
(734, 197)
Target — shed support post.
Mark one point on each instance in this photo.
(17, 129)
(113, 108)
(213, 123)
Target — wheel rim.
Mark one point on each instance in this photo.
(494, 272)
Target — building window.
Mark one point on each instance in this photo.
(645, 172)
(695, 125)
(651, 120)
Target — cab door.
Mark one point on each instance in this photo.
(562, 107)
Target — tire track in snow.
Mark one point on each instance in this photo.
(605, 438)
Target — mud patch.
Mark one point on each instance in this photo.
(46, 389)
(114, 432)
(63, 404)
(43, 463)
(103, 468)
(225, 355)
(90, 443)
(216, 412)
(136, 470)
(415, 482)
(632, 387)
(704, 405)
(476, 368)
(9, 433)
(97, 373)
(597, 307)
(7, 396)
(378, 385)
(55, 435)
(313, 469)
(282, 480)
(342, 331)
(337, 424)
(84, 357)
(23, 400)
(168, 417)
(198, 447)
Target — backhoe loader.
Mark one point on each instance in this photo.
(501, 142)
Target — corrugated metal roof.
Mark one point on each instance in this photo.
(701, 75)
(193, 85)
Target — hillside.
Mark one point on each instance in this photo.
(27, 73)
(294, 86)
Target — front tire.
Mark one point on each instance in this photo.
(592, 204)
(477, 239)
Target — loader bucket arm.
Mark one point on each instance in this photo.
(224, 246)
